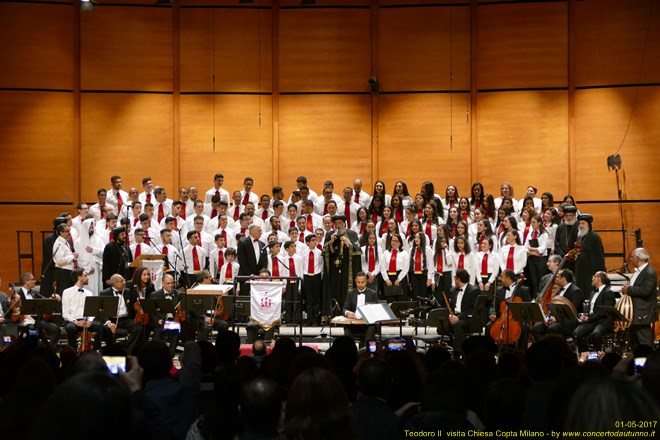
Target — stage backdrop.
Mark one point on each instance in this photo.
(526, 92)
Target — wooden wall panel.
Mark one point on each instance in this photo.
(243, 147)
(601, 118)
(324, 50)
(25, 218)
(522, 138)
(240, 53)
(428, 154)
(325, 136)
(37, 46)
(637, 215)
(522, 45)
(610, 41)
(36, 137)
(419, 48)
(126, 48)
(129, 135)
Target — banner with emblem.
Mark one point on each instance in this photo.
(156, 270)
(266, 303)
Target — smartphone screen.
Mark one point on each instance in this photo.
(172, 326)
(372, 347)
(115, 363)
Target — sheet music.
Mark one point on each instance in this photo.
(375, 312)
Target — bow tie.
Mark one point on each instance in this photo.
(81, 290)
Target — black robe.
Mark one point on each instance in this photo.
(590, 260)
(340, 265)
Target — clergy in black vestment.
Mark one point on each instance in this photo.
(592, 254)
(341, 262)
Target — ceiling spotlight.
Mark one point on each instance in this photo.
(87, 5)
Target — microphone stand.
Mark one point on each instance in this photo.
(185, 262)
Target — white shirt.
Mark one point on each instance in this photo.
(223, 193)
(459, 300)
(592, 303)
(636, 274)
(318, 261)
(73, 304)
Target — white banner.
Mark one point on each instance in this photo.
(156, 270)
(266, 303)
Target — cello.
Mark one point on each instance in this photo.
(506, 330)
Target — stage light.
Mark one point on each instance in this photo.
(87, 5)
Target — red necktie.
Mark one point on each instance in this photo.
(310, 263)
(309, 225)
(535, 235)
(500, 228)
(398, 216)
(465, 216)
(161, 213)
(224, 234)
(120, 202)
(138, 251)
(195, 258)
(374, 217)
(477, 204)
(509, 258)
(243, 232)
(228, 273)
(292, 267)
(362, 227)
(214, 213)
(301, 237)
(428, 230)
(217, 193)
(392, 269)
(481, 238)
(236, 213)
(484, 265)
(461, 261)
(319, 247)
(440, 267)
(372, 259)
(420, 214)
(347, 212)
(264, 215)
(451, 203)
(176, 228)
(135, 221)
(102, 210)
(292, 224)
(147, 239)
(325, 209)
(221, 258)
(418, 261)
(527, 225)
(183, 210)
(246, 198)
(149, 198)
(357, 197)
(276, 267)
(453, 230)
(165, 250)
(408, 229)
(383, 228)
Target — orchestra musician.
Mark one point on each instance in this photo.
(572, 293)
(357, 297)
(642, 288)
(595, 324)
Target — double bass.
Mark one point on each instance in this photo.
(548, 296)
(506, 330)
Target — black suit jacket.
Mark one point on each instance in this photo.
(467, 304)
(248, 264)
(576, 296)
(160, 294)
(350, 303)
(520, 291)
(35, 295)
(606, 298)
(126, 296)
(643, 295)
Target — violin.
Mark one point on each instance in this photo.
(15, 305)
(86, 340)
(180, 315)
(506, 330)
(140, 316)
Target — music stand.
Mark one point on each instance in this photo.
(527, 312)
(35, 307)
(563, 313)
(236, 306)
(401, 308)
(98, 306)
(156, 306)
(479, 305)
(199, 304)
(613, 313)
